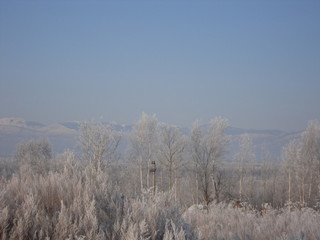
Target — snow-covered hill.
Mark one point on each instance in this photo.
(64, 136)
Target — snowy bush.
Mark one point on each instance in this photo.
(224, 222)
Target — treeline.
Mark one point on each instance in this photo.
(196, 193)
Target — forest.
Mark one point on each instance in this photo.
(164, 185)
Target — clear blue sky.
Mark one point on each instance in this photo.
(256, 63)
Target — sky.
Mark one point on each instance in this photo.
(256, 63)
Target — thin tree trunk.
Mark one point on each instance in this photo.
(217, 190)
(170, 177)
(309, 192)
(289, 190)
(148, 175)
(303, 192)
(161, 176)
(240, 188)
(154, 182)
(310, 187)
(197, 191)
(175, 190)
(141, 176)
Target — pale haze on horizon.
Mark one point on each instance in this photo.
(256, 63)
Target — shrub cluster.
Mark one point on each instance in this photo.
(76, 201)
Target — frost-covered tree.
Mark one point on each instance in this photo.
(207, 151)
(290, 163)
(143, 144)
(310, 152)
(99, 143)
(301, 161)
(34, 155)
(171, 149)
(244, 158)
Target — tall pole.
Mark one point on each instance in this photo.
(154, 183)
(153, 171)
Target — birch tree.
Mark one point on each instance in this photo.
(290, 164)
(171, 149)
(143, 145)
(34, 155)
(310, 152)
(244, 158)
(302, 161)
(99, 143)
(207, 152)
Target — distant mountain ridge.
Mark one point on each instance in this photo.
(64, 136)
